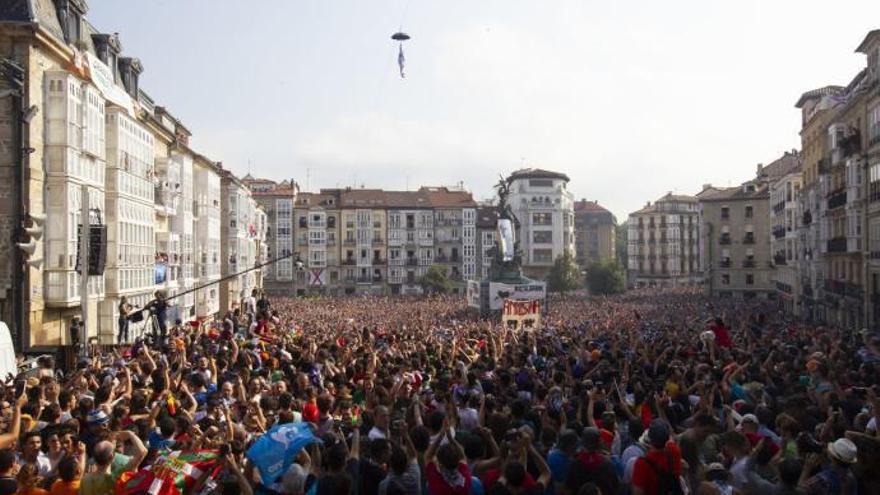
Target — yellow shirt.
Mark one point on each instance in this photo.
(62, 487)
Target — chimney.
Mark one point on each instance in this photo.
(760, 168)
(707, 186)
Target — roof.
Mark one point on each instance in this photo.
(536, 173)
(362, 197)
(872, 37)
(668, 198)
(40, 12)
(818, 93)
(443, 197)
(738, 193)
(589, 206)
(782, 166)
(406, 199)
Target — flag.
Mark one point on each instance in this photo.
(174, 473)
(401, 60)
(274, 452)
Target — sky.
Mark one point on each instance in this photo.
(630, 99)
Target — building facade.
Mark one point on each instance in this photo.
(736, 226)
(242, 244)
(785, 219)
(663, 243)
(79, 120)
(277, 201)
(594, 233)
(544, 209)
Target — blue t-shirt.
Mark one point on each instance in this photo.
(558, 463)
(202, 397)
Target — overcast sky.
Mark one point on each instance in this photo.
(630, 99)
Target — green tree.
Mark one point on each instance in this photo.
(605, 277)
(435, 281)
(563, 277)
(621, 243)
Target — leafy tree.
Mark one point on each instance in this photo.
(605, 277)
(435, 281)
(563, 277)
(621, 243)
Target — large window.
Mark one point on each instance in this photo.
(542, 255)
(542, 237)
(540, 182)
(542, 219)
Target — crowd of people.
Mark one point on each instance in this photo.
(649, 392)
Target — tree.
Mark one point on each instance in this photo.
(605, 277)
(621, 243)
(563, 277)
(435, 281)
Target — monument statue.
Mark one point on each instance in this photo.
(506, 256)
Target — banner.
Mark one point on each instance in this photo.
(316, 277)
(473, 294)
(521, 314)
(102, 76)
(498, 292)
(173, 474)
(273, 452)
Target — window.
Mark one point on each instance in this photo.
(540, 183)
(725, 213)
(542, 219)
(749, 212)
(725, 279)
(542, 255)
(542, 237)
(750, 279)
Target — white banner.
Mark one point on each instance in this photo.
(498, 292)
(473, 294)
(317, 277)
(102, 76)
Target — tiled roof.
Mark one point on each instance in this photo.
(536, 173)
(782, 166)
(442, 197)
(585, 205)
(406, 199)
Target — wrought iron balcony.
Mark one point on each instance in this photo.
(836, 199)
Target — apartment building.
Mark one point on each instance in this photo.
(785, 218)
(544, 208)
(736, 226)
(663, 243)
(277, 201)
(410, 239)
(88, 123)
(487, 230)
(242, 244)
(594, 233)
(840, 229)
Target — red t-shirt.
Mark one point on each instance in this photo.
(645, 476)
(438, 486)
(491, 477)
(722, 336)
(310, 412)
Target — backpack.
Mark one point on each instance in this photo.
(667, 482)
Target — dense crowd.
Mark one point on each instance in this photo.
(644, 393)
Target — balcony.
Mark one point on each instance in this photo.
(348, 262)
(824, 166)
(749, 238)
(748, 263)
(348, 242)
(835, 287)
(836, 245)
(412, 262)
(779, 259)
(725, 263)
(852, 143)
(778, 231)
(378, 242)
(724, 239)
(447, 222)
(378, 261)
(779, 207)
(836, 199)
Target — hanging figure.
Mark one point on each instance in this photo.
(401, 60)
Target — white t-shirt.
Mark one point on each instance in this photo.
(375, 434)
